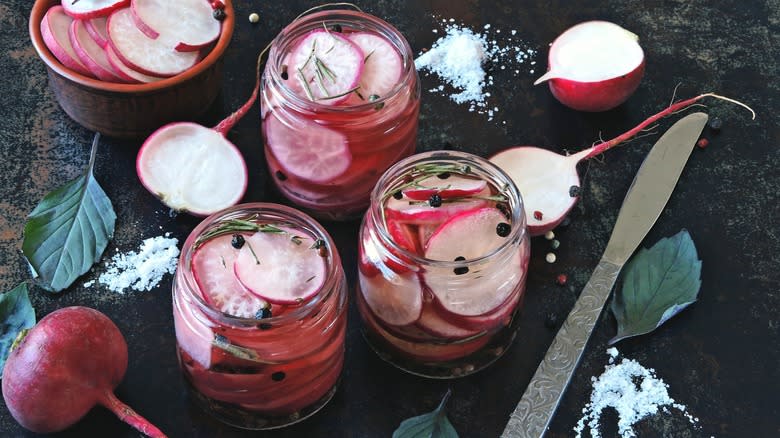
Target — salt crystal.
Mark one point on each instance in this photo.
(142, 270)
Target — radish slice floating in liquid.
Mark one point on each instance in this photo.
(382, 64)
(277, 269)
(87, 9)
(393, 298)
(183, 25)
(55, 29)
(450, 187)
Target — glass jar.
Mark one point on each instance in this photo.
(442, 264)
(324, 157)
(259, 362)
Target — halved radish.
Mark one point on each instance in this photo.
(432, 322)
(481, 288)
(88, 9)
(308, 151)
(275, 268)
(382, 65)
(183, 25)
(96, 28)
(212, 267)
(448, 187)
(325, 67)
(55, 32)
(594, 66)
(91, 54)
(394, 298)
(147, 55)
(192, 168)
(126, 73)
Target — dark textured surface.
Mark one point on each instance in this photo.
(720, 357)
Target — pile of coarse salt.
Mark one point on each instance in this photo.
(459, 59)
(630, 389)
(142, 270)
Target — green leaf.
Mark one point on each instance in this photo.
(69, 230)
(17, 314)
(431, 425)
(658, 283)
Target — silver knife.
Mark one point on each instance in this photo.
(644, 202)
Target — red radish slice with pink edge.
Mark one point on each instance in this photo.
(471, 235)
(212, 267)
(432, 322)
(55, 28)
(307, 150)
(421, 213)
(450, 187)
(96, 28)
(279, 270)
(382, 64)
(152, 57)
(88, 9)
(126, 73)
(325, 67)
(91, 54)
(183, 25)
(549, 183)
(396, 299)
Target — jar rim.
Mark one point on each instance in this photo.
(309, 22)
(480, 166)
(281, 212)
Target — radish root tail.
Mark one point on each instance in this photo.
(129, 416)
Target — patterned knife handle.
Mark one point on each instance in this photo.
(540, 400)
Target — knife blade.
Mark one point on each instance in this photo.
(645, 200)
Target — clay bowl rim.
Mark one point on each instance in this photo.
(39, 9)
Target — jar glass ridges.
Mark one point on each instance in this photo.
(443, 256)
(260, 361)
(327, 157)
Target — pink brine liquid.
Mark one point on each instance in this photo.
(259, 312)
(340, 104)
(443, 257)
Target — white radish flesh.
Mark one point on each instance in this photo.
(126, 73)
(277, 269)
(87, 9)
(212, 267)
(55, 28)
(382, 64)
(192, 168)
(91, 54)
(393, 298)
(183, 25)
(96, 28)
(545, 178)
(421, 213)
(147, 55)
(450, 187)
(431, 322)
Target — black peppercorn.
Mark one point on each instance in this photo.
(219, 14)
(263, 313)
(461, 270)
(443, 175)
(574, 191)
(237, 241)
(435, 200)
(336, 28)
(503, 229)
(280, 176)
(398, 195)
(278, 376)
(716, 124)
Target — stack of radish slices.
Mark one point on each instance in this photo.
(441, 311)
(124, 41)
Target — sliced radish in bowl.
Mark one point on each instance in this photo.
(594, 66)
(91, 54)
(382, 65)
(96, 28)
(87, 9)
(192, 168)
(183, 25)
(212, 267)
(55, 30)
(277, 269)
(149, 56)
(126, 73)
(396, 299)
(326, 67)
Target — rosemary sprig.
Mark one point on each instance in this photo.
(368, 56)
(306, 87)
(247, 225)
(324, 69)
(422, 172)
(338, 95)
(257, 260)
(496, 198)
(238, 351)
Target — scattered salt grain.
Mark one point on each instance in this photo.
(630, 389)
(142, 270)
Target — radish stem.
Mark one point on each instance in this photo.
(226, 125)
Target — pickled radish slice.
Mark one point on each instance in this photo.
(55, 28)
(431, 322)
(396, 299)
(91, 54)
(86, 9)
(212, 267)
(184, 25)
(149, 56)
(192, 168)
(276, 268)
(307, 150)
(96, 28)
(420, 213)
(449, 187)
(325, 66)
(126, 73)
(484, 287)
(500, 316)
(382, 64)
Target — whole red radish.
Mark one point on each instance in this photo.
(594, 66)
(67, 363)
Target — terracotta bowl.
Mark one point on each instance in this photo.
(133, 110)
